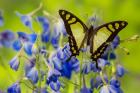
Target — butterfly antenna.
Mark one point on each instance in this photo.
(132, 38)
(125, 50)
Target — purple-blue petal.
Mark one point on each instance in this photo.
(45, 36)
(99, 81)
(85, 90)
(120, 71)
(110, 89)
(86, 68)
(14, 63)
(61, 55)
(55, 37)
(55, 42)
(67, 51)
(66, 70)
(55, 86)
(17, 45)
(15, 88)
(115, 42)
(43, 90)
(57, 63)
(6, 38)
(25, 19)
(102, 62)
(32, 38)
(28, 48)
(44, 22)
(32, 74)
(115, 83)
(30, 64)
(1, 19)
(23, 36)
(94, 68)
(108, 55)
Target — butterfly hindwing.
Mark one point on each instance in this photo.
(76, 31)
(103, 35)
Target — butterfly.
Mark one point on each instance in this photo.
(97, 39)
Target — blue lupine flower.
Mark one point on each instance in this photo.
(32, 74)
(25, 40)
(44, 22)
(107, 56)
(66, 50)
(57, 62)
(55, 85)
(45, 35)
(66, 70)
(1, 18)
(53, 75)
(115, 42)
(39, 49)
(43, 90)
(62, 27)
(119, 90)
(6, 38)
(27, 37)
(102, 62)
(30, 70)
(108, 89)
(64, 53)
(85, 90)
(109, 51)
(14, 63)
(92, 19)
(55, 37)
(94, 67)
(1, 91)
(69, 66)
(52, 79)
(62, 65)
(99, 81)
(25, 19)
(115, 82)
(30, 64)
(15, 88)
(1, 44)
(87, 67)
(17, 45)
(120, 71)
(74, 62)
(58, 29)
(28, 48)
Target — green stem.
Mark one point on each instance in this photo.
(39, 72)
(36, 10)
(102, 77)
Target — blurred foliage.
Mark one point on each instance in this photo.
(108, 10)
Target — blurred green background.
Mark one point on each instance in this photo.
(109, 10)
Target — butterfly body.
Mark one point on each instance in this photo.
(98, 39)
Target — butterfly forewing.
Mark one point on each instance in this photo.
(103, 36)
(76, 30)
